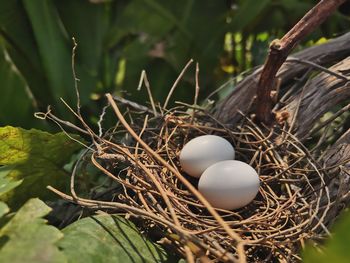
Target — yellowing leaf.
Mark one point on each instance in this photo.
(37, 158)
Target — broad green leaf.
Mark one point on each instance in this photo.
(176, 48)
(248, 12)
(54, 48)
(40, 47)
(14, 92)
(37, 158)
(336, 248)
(168, 14)
(21, 45)
(28, 238)
(106, 238)
(77, 17)
(206, 45)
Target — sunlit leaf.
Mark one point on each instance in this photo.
(37, 158)
(54, 47)
(106, 238)
(27, 238)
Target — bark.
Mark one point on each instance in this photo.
(319, 95)
(339, 186)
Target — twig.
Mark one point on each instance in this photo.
(175, 83)
(132, 104)
(49, 115)
(144, 79)
(280, 49)
(100, 120)
(196, 93)
(75, 76)
(315, 65)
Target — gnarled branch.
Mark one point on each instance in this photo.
(280, 49)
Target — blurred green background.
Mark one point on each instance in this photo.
(118, 39)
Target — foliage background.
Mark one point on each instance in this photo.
(117, 39)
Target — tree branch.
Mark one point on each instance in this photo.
(280, 49)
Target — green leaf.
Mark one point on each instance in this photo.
(77, 16)
(336, 249)
(107, 238)
(27, 238)
(161, 36)
(40, 45)
(23, 50)
(54, 48)
(14, 91)
(247, 13)
(166, 13)
(37, 158)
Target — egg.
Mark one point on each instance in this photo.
(203, 151)
(229, 184)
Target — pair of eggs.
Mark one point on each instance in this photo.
(226, 183)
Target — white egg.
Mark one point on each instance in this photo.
(203, 151)
(229, 184)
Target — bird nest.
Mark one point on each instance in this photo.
(141, 154)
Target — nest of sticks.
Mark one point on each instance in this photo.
(143, 158)
(140, 154)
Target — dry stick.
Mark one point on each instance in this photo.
(315, 65)
(280, 49)
(132, 104)
(144, 79)
(78, 113)
(49, 115)
(175, 83)
(196, 93)
(197, 86)
(230, 232)
(75, 45)
(100, 120)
